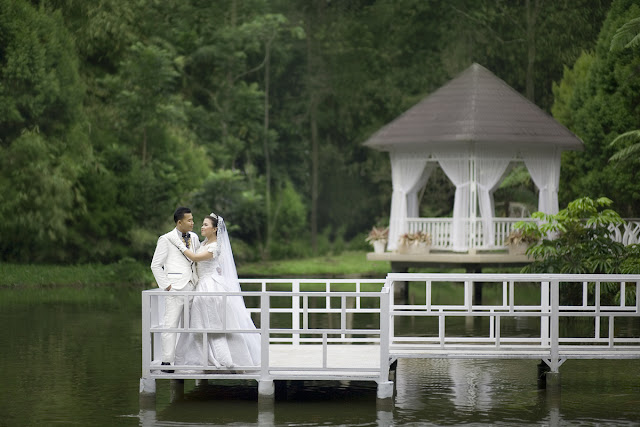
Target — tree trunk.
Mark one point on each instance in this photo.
(532, 16)
(313, 128)
(144, 146)
(265, 147)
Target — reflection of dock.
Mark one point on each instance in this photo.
(472, 262)
(354, 330)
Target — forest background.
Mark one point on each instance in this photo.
(112, 113)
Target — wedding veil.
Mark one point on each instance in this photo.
(236, 303)
(227, 262)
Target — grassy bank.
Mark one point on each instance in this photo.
(98, 284)
(131, 273)
(347, 264)
(113, 285)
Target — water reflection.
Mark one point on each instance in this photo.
(78, 365)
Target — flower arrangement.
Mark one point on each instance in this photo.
(417, 242)
(519, 241)
(414, 238)
(378, 237)
(519, 237)
(378, 234)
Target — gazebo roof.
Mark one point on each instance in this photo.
(477, 107)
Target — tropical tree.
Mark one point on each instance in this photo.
(579, 240)
(627, 36)
(597, 101)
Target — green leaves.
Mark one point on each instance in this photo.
(627, 36)
(578, 239)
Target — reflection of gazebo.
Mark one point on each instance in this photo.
(473, 128)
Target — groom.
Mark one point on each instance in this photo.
(174, 272)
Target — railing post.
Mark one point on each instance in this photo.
(295, 311)
(385, 387)
(266, 388)
(264, 335)
(147, 385)
(555, 326)
(390, 302)
(544, 308)
(146, 337)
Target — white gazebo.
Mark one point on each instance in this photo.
(473, 128)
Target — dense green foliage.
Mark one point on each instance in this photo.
(597, 99)
(114, 113)
(580, 240)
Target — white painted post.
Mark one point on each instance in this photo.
(295, 311)
(468, 295)
(343, 315)
(544, 308)
(147, 385)
(441, 329)
(157, 316)
(264, 335)
(146, 337)
(385, 387)
(324, 350)
(390, 306)
(555, 323)
(266, 387)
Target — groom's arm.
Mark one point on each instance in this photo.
(159, 258)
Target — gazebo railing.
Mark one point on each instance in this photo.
(441, 230)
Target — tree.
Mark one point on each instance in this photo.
(597, 102)
(627, 36)
(43, 145)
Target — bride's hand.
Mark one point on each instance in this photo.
(175, 240)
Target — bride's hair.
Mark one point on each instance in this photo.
(213, 220)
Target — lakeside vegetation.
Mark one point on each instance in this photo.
(114, 113)
(136, 274)
(106, 284)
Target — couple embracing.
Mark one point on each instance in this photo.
(182, 263)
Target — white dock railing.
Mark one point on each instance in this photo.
(604, 325)
(344, 329)
(318, 317)
(440, 230)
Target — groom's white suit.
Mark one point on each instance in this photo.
(171, 268)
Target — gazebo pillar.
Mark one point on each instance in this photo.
(471, 232)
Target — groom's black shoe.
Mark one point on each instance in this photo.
(168, 371)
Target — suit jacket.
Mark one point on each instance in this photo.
(172, 267)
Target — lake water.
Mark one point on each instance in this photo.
(71, 365)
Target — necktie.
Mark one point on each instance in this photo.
(186, 239)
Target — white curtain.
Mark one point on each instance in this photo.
(544, 168)
(456, 165)
(413, 204)
(491, 165)
(406, 171)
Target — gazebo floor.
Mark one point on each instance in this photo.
(472, 262)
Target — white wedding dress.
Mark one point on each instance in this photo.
(231, 349)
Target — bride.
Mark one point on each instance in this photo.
(217, 273)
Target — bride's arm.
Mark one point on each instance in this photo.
(202, 256)
(196, 257)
